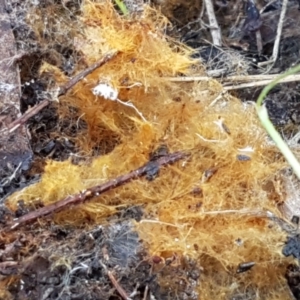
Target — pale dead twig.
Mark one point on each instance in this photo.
(146, 292)
(135, 291)
(244, 211)
(214, 26)
(260, 83)
(202, 11)
(278, 37)
(267, 5)
(246, 81)
(260, 77)
(234, 78)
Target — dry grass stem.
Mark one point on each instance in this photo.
(251, 80)
(278, 37)
(293, 78)
(214, 26)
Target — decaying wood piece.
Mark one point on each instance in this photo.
(84, 195)
(15, 153)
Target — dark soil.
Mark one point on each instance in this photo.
(70, 263)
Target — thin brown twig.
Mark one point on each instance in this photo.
(25, 117)
(96, 190)
(62, 90)
(117, 286)
(114, 282)
(86, 72)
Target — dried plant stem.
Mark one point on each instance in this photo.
(96, 190)
(114, 282)
(213, 23)
(235, 78)
(244, 211)
(261, 83)
(251, 80)
(267, 5)
(24, 118)
(278, 36)
(117, 286)
(62, 90)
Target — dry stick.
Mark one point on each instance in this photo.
(214, 26)
(267, 5)
(29, 113)
(86, 72)
(234, 78)
(115, 283)
(97, 190)
(62, 90)
(262, 77)
(146, 292)
(258, 83)
(255, 80)
(278, 36)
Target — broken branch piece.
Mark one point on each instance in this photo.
(62, 90)
(96, 190)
